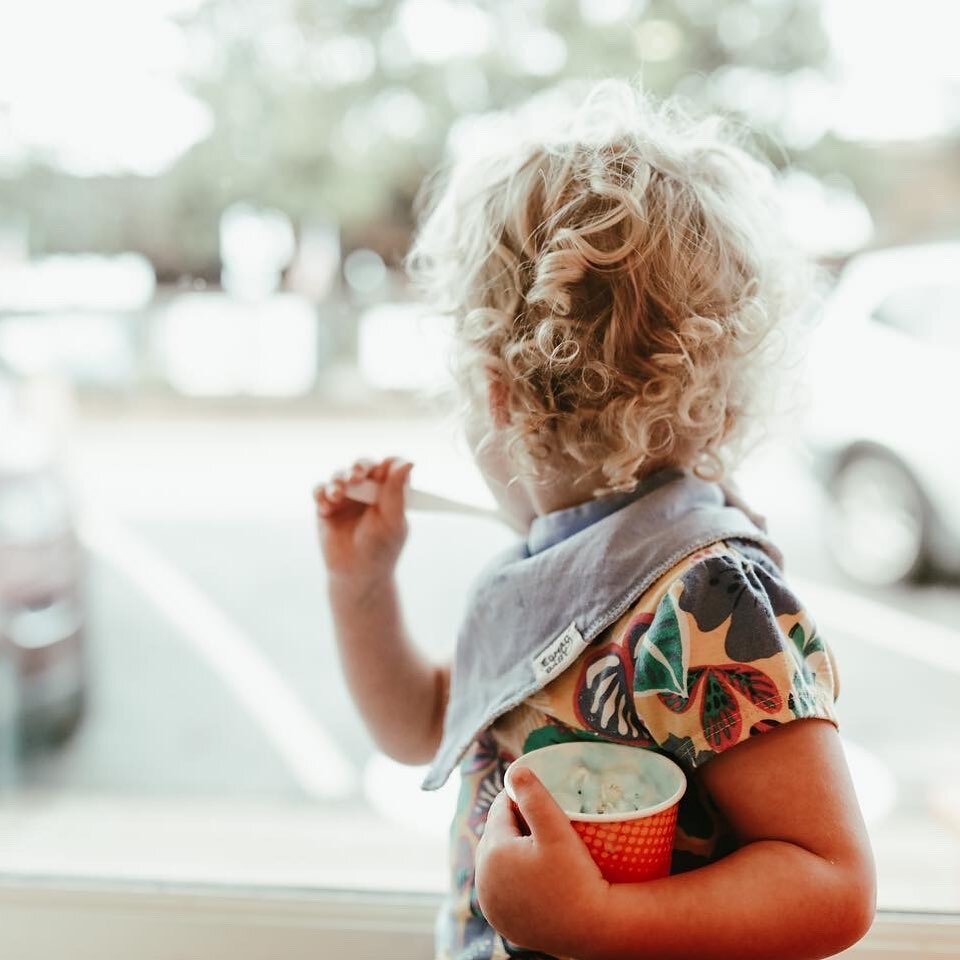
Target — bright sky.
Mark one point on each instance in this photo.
(94, 84)
(901, 73)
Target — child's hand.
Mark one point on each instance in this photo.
(361, 542)
(541, 891)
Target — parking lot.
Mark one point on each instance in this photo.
(213, 672)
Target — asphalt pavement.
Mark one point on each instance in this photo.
(212, 660)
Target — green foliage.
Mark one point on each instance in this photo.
(287, 134)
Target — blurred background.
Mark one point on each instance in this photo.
(203, 209)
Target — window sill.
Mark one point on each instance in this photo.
(40, 920)
(89, 877)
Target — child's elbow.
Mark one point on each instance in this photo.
(414, 752)
(856, 908)
(414, 748)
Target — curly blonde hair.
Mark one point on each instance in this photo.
(621, 272)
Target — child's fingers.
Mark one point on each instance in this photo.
(391, 497)
(501, 822)
(357, 471)
(380, 470)
(325, 507)
(361, 469)
(320, 492)
(332, 494)
(329, 498)
(543, 815)
(332, 501)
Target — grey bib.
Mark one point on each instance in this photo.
(529, 617)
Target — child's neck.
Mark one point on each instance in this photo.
(563, 494)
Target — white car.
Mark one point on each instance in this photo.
(886, 393)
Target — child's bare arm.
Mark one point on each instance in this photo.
(801, 887)
(400, 694)
(803, 884)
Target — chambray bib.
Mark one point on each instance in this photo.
(537, 606)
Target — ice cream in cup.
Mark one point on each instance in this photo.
(621, 800)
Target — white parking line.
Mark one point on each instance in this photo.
(312, 757)
(903, 633)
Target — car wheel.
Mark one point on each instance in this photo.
(878, 520)
(51, 727)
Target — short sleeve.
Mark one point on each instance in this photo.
(729, 653)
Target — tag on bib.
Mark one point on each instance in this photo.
(554, 658)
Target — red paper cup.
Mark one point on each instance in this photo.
(626, 846)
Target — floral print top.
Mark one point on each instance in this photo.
(715, 652)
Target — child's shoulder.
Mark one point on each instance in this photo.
(719, 649)
(711, 571)
(731, 593)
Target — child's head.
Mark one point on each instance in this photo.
(614, 271)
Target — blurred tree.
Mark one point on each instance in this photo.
(335, 109)
(339, 108)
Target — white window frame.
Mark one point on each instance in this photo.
(45, 919)
(88, 879)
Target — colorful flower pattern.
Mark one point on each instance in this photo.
(717, 651)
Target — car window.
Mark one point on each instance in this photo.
(930, 313)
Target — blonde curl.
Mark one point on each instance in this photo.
(623, 271)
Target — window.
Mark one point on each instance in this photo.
(204, 206)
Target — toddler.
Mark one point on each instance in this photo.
(618, 279)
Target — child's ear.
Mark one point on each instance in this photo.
(497, 399)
